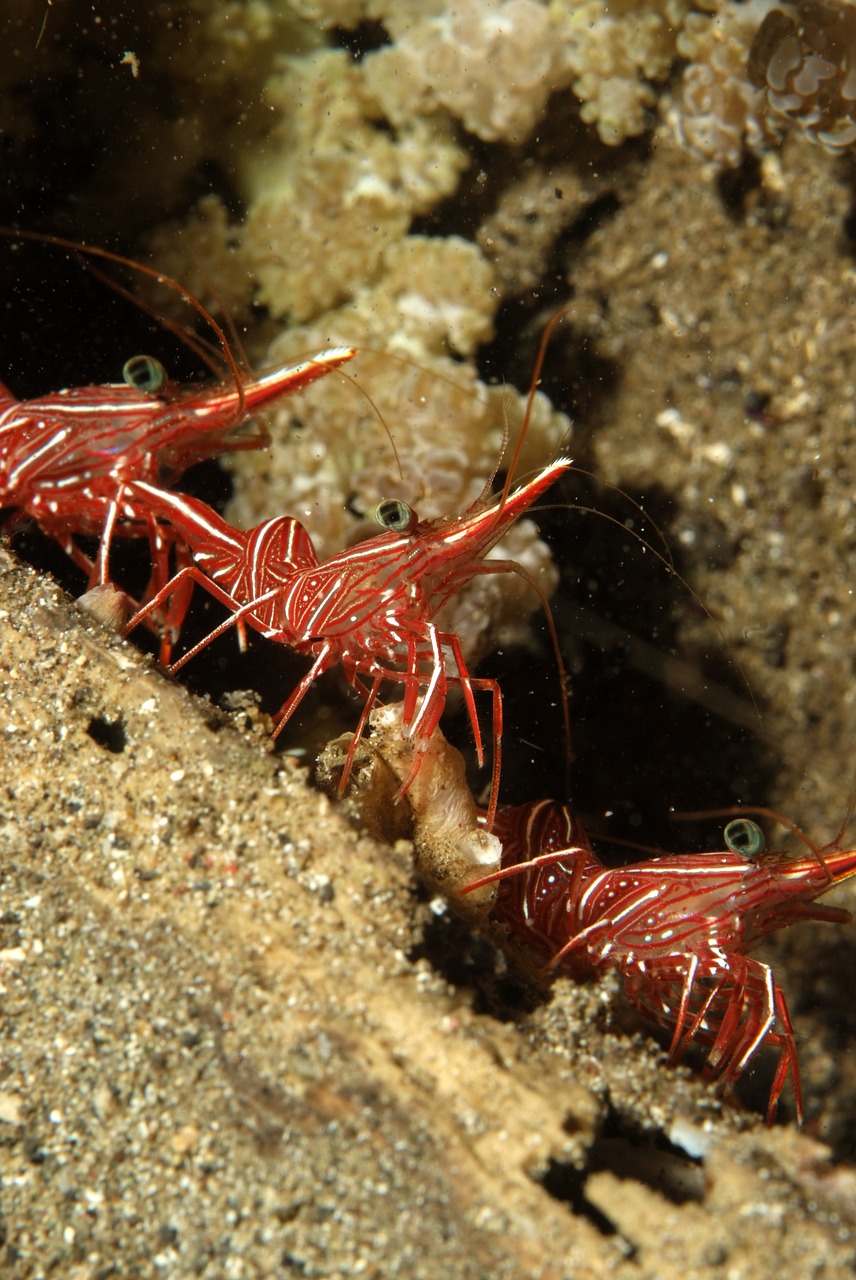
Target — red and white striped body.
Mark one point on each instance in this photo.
(677, 928)
(67, 459)
(369, 609)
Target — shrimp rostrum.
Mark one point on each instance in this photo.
(678, 929)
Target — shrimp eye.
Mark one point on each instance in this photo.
(744, 837)
(145, 374)
(395, 515)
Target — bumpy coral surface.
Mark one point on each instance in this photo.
(719, 110)
(491, 65)
(615, 51)
(756, 67)
(332, 191)
(804, 59)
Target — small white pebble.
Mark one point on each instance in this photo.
(720, 453)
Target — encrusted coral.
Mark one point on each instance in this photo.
(329, 192)
(203, 251)
(614, 51)
(493, 63)
(332, 191)
(359, 147)
(531, 214)
(804, 59)
(757, 66)
(490, 63)
(719, 111)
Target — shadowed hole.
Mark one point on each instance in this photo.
(109, 734)
(620, 1150)
(567, 1184)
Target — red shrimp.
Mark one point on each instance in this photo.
(66, 458)
(369, 609)
(677, 928)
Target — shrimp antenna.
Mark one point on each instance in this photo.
(848, 814)
(668, 565)
(224, 310)
(546, 337)
(355, 383)
(208, 352)
(637, 506)
(409, 363)
(108, 255)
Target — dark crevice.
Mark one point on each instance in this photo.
(109, 734)
(567, 1185)
(737, 186)
(849, 221)
(360, 40)
(471, 961)
(628, 1154)
(650, 1160)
